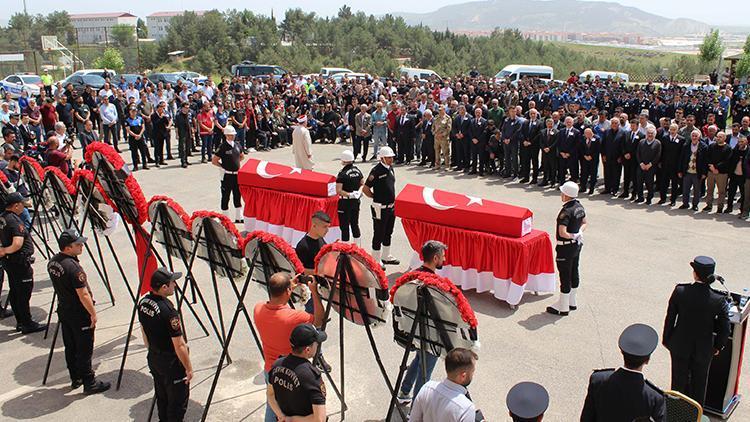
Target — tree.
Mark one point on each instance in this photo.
(743, 66)
(123, 35)
(345, 12)
(141, 29)
(746, 47)
(111, 59)
(709, 52)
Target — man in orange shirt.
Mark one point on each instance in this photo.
(275, 320)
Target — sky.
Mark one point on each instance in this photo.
(694, 9)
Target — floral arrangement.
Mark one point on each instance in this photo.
(442, 283)
(69, 186)
(279, 244)
(361, 254)
(171, 203)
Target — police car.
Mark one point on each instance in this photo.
(17, 83)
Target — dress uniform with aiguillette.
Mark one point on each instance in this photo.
(350, 179)
(571, 220)
(160, 323)
(527, 401)
(695, 313)
(75, 312)
(624, 394)
(381, 187)
(229, 158)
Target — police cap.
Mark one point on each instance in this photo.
(638, 340)
(13, 198)
(163, 276)
(527, 400)
(69, 237)
(306, 334)
(704, 266)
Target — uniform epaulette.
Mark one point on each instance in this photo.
(654, 386)
(604, 369)
(683, 284)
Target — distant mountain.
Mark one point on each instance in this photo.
(554, 15)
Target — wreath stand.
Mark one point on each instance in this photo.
(343, 283)
(36, 194)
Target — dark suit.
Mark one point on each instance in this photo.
(567, 142)
(478, 131)
(612, 145)
(461, 125)
(548, 139)
(530, 153)
(694, 314)
(512, 130)
(589, 168)
(629, 165)
(428, 143)
(671, 149)
(28, 136)
(622, 396)
(406, 132)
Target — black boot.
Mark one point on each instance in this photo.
(95, 387)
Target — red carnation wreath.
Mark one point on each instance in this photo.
(224, 220)
(279, 244)
(88, 175)
(107, 151)
(351, 249)
(69, 186)
(171, 203)
(442, 283)
(35, 164)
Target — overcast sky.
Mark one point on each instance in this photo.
(731, 12)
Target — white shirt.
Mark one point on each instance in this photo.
(443, 401)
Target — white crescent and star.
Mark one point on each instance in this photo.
(474, 200)
(428, 195)
(296, 170)
(262, 171)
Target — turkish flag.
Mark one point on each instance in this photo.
(146, 260)
(279, 177)
(462, 211)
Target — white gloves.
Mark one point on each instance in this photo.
(355, 195)
(578, 237)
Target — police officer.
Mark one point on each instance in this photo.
(168, 355)
(18, 251)
(135, 128)
(381, 187)
(527, 402)
(75, 310)
(694, 314)
(349, 183)
(571, 223)
(229, 157)
(624, 394)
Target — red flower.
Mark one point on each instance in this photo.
(35, 164)
(171, 203)
(89, 176)
(3, 178)
(69, 186)
(224, 220)
(107, 151)
(138, 199)
(442, 283)
(351, 249)
(280, 244)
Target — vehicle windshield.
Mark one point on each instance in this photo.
(93, 80)
(503, 74)
(171, 78)
(31, 79)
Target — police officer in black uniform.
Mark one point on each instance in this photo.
(168, 355)
(527, 402)
(381, 187)
(624, 394)
(349, 183)
(18, 251)
(75, 310)
(571, 223)
(229, 157)
(695, 313)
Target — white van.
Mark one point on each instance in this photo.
(327, 72)
(603, 75)
(421, 74)
(512, 73)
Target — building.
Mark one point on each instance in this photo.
(158, 23)
(93, 28)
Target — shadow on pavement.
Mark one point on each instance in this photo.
(38, 403)
(139, 411)
(538, 321)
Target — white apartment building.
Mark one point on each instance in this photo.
(93, 28)
(158, 23)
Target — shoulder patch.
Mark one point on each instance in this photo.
(371, 178)
(174, 322)
(82, 277)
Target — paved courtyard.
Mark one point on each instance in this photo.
(632, 258)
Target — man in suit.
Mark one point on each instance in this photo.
(692, 169)
(547, 141)
(588, 151)
(629, 165)
(512, 131)
(612, 144)
(460, 134)
(406, 132)
(624, 394)
(478, 142)
(362, 132)
(671, 149)
(427, 145)
(567, 148)
(694, 314)
(647, 156)
(530, 147)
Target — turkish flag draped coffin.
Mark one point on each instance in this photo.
(462, 211)
(280, 199)
(279, 177)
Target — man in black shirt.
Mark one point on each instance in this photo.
(75, 310)
(18, 251)
(228, 157)
(309, 246)
(168, 355)
(349, 183)
(381, 187)
(183, 123)
(162, 124)
(295, 386)
(65, 112)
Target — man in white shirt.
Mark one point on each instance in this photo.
(449, 400)
(108, 113)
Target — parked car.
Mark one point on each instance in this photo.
(80, 82)
(421, 74)
(512, 73)
(168, 78)
(130, 78)
(192, 76)
(103, 73)
(339, 77)
(17, 83)
(604, 75)
(261, 71)
(327, 72)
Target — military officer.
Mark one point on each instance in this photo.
(694, 314)
(571, 223)
(381, 187)
(168, 356)
(75, 309)
(527, 402)
(624, 394)
(349, 183)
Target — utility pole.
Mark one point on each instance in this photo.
(24, 8)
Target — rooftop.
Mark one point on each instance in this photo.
(174, 13)
(101, 15)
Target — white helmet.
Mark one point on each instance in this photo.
(230, 130)
(386, 152)
(347, 156)
(570, 189)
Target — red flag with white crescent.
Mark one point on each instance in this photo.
(280, 177)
